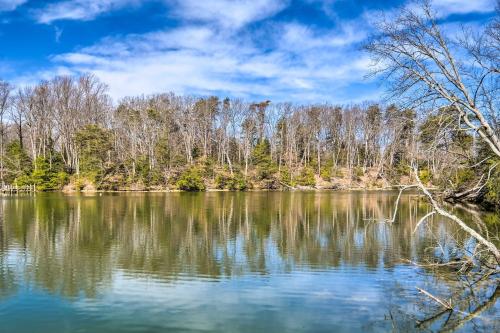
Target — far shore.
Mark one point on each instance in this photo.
(301, 189)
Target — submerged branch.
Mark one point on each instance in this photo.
(445, 304)
(480, 309)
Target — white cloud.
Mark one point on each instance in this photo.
(298, 62)
(223, 13)
(448, 7)
(227, 13)
(79, 9)
(298, 36)
(215, 49)
(9, 5)
(442, 9)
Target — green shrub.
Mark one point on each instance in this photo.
(156, 177)
(306, 177)
(491, 219)
(403, 169)
(261, 157)
(48, 176)
(326, 173)
(464, 176)
(286, 177)
(234, 183)
(78, 182)
(220, 181)
(425, 175)
(18, 162)
(237, 183)
(191, 181)
(23, 180)
(206, 167)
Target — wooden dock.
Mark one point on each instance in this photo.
(17, 189)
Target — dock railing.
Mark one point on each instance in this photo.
(5, 188)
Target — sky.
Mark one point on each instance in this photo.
(282, 50)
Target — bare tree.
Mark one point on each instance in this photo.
(428, 68)
(5, 104)
(18, 113)
(458, 75)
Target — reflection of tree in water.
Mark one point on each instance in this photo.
(62, 252)
(74, 244)
(8, 283)
(472, 305)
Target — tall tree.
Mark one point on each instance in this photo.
(5, 104)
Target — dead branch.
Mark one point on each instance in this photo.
(480, 309)
(454, 263)
(402, 188)
(445, 304)
(473, 192)
(492, 248)
(433, 318)
(423, 219)
(287, 186)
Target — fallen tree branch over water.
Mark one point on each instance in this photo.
(426, 216)
(439, 210)
(401, 190)
(471, 194)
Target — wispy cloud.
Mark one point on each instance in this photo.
(79, 9)
(301, 63)
(448, 7)
(442, 8)
(9, 5)
(230, 47)
(227, 13)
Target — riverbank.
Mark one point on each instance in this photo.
(301, 189)
(345, 180)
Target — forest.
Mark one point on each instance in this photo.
(66, 132)
(440, 118)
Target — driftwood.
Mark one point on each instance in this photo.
(287, 186)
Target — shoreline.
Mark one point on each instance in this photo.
(390, 188)
(393, 188)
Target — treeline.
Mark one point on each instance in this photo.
(67, 131)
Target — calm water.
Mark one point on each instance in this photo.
(220, 262)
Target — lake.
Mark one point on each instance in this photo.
(225, 262)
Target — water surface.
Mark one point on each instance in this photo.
(221, 262)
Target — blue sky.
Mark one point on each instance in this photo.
(283, 50)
